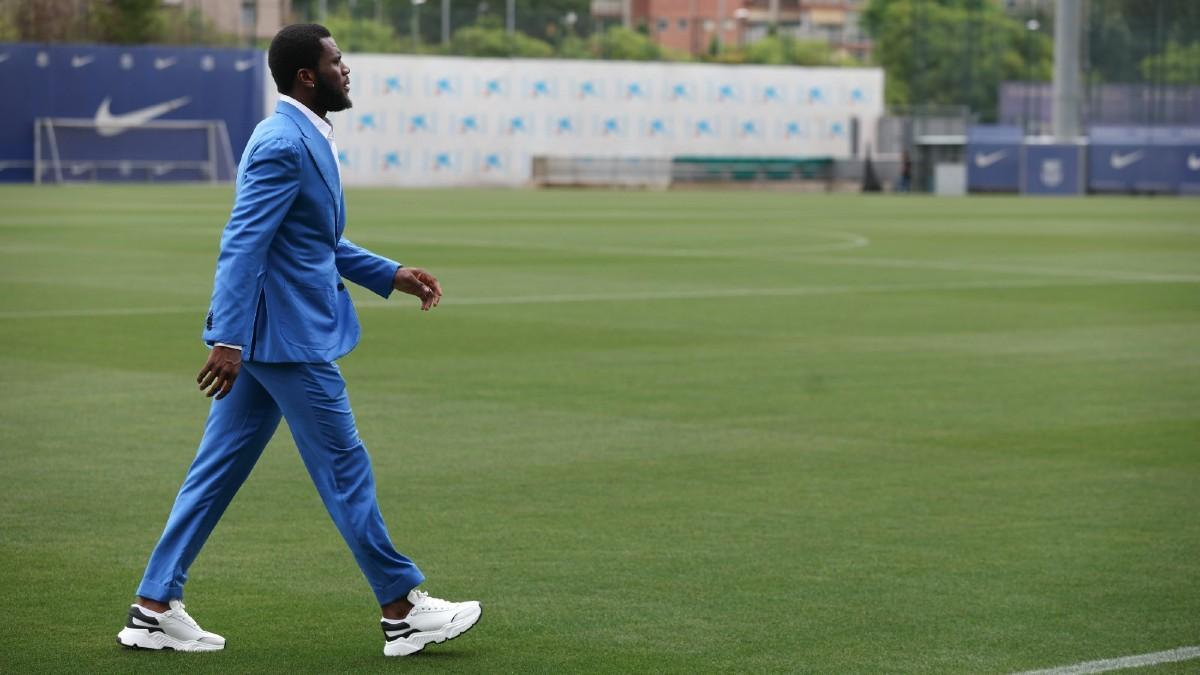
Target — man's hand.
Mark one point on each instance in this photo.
(418, 282)
(220, 371)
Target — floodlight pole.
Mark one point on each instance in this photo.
(445, 22)
(416, 24)
(510, 17)
(1068, 29)
(720, 26)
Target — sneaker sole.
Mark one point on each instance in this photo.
(417, 641)
(133, 638)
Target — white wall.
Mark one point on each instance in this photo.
(454, 121)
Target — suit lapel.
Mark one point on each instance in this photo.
(318, 148)
(341, 220)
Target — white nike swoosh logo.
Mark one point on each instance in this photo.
(3, 57)
(1119, 161)
(984, 160)
(108, 124)
(163, 64)
(81, 61)
(1193, 162)
(243, 65)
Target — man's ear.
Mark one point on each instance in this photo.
(307, 77)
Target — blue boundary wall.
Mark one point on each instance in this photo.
(1053, 169)
(1113, 159)
(1144, 159)
(993, 158)
(103, 81)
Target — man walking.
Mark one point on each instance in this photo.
(280, 317)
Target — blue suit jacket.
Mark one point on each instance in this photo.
(278, 289)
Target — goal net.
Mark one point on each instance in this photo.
(80, 150)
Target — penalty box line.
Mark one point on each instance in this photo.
(1121, 663)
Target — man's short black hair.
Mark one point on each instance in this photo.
(294, 47)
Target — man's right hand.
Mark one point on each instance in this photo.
(418, 282)
(220, 371)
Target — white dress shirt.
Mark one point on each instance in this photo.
(326, 130)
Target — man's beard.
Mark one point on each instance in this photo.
(330, 97)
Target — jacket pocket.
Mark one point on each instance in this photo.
(311, 316)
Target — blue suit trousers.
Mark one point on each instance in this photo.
(312, 397)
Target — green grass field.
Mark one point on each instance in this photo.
(670, 432)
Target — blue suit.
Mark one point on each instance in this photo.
(278, 293)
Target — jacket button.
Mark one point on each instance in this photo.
(341, 286)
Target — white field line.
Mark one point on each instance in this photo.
(842, 241)
(1106, 665)
(632, 296)
(83, 313)
(846, 240)
(1112, 275)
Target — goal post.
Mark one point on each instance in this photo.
(69, 150)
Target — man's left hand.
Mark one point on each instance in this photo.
(418, 282)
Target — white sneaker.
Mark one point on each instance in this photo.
(431, 620)
(173, 629)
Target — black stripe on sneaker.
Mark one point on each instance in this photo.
(401, 629)
(135, 613)
(129, 623)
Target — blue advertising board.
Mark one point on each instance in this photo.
(123, 87)
(1144, 159)
(1116, 158)
(1174, 164)
(1188, 166)
(993, 158)
(1052, 169)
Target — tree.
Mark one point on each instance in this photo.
(782, 50)
(1125, 40)
(46, 21)
(129, 21)
(364, 35)
(488, 38)
(622, 44)
(575, 47)
(1178, 64)
(955, 51)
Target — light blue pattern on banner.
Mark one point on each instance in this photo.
(657, 128)
(749, 129)
(540, 88)
(682, 91)
(589, 89)
(495, 87)
(421, 123)
(517, 125)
